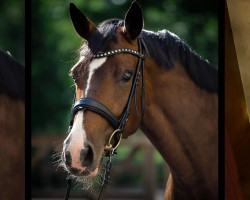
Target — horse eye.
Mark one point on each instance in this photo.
(127, 75)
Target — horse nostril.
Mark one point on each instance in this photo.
(86, 156)
(83, 153)
(68, 159)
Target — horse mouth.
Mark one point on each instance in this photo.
(89, 173)
(94, 173)
(83, 172)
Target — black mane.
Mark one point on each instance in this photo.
(12, 77)
(165, 48)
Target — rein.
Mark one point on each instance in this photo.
(97, 107)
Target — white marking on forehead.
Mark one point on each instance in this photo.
(95, 64)
(77, 133)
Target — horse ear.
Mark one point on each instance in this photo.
(134, 21)
(83, 26)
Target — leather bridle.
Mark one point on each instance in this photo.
(97, 107)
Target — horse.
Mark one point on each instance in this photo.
(129, 78)
(12, 123)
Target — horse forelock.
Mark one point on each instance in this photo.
(100, 39)
(98, 42)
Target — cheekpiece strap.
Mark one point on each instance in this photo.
(140, 37)
(117, 51)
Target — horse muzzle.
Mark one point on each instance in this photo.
(80, 162)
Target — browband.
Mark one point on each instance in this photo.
(116, 51)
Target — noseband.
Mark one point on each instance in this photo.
(117, 123)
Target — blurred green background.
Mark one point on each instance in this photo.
(12, 25)
(54, 46)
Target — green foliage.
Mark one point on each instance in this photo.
(12, 28)
(54, 45)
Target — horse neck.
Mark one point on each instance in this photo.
(181, 122)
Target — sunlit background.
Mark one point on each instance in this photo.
(139, 172)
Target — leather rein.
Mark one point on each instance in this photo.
(97, 107)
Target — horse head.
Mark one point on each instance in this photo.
(107, 81)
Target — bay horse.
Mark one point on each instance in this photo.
(174, 101)
(12, 125)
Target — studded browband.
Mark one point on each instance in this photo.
(116, 51)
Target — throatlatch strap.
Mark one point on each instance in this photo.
(140, 37)
(142, 93)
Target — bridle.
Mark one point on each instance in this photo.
(97, 107)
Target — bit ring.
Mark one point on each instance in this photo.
(109, 146)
